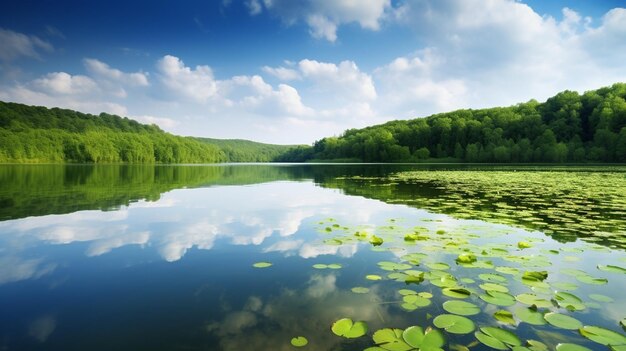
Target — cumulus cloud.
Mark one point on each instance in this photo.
(499, 52)
(197, 84)
(104, 71)
(324, 17)
(15, 45)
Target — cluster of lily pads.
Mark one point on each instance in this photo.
(515, 280)
(565, 203)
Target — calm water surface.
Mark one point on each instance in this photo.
(161, 257)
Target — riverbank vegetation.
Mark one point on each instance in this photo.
(568, 127)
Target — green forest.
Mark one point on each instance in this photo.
(239, 150)
(568, 127)
(31, 134)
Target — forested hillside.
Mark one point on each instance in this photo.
(568, 127)
(238, 150)
(39, 134)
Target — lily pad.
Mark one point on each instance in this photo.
(530, 316)
(603, 336)
(462, 308)
(571, 347)
(455, 324)
(532, 299)
(432, 339)
(494, 287)
(498, 298)
(503, 335)
(262, 265)
(376, 241)
(440, 266)
(348, 329)
(504, 317)
(416, 300)
(492, 277)
(612, 269)
(562, 321)
(299, 341)
(457, 292)
(391, 339)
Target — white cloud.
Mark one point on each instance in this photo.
(102, 70)
(282, 73)
(345, 79)
(498, 52)
(61, 83)
(325, 16)
(15, 45)
(197, 84)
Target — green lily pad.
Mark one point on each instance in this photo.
(530, 316)
(562, 321)
(348, 329)
(432, 339)
(416, 300)
(299, 341)
(391, 339)
(459, 293)
(360, 290)
(490, 341)
(565, 286)
(507, 270)
(571, 347)
(393, 266)
(569, 301)
(376, 241)
(612, 269)
(535, 275)
(504, 317)
(455, 324)
(587, 279)
(498, 298)
(535, 345)
(603, 336)
(532, 299)
(262, 265)
(494, 287)
(440, 266)
(503, 335)
(492, 277)
(466, 258)
(462, 308)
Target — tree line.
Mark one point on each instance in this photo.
(31, 134)
(568, 127)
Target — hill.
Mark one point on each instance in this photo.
(33, 134)
(568, 127)
(239, 150)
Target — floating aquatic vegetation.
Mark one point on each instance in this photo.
(299, 341)
(262, 265)
(349, 329)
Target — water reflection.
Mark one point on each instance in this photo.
(168, 264)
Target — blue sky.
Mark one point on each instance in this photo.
(286, 71)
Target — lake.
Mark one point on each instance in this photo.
(349, 257)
